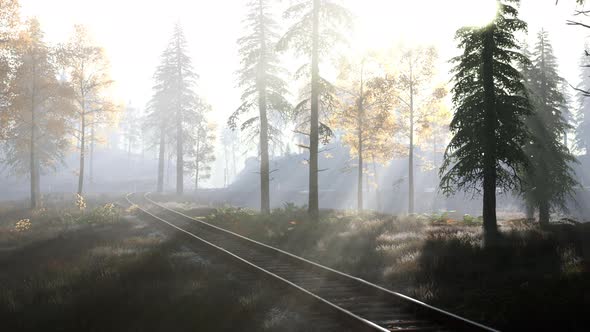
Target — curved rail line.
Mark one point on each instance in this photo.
(362, 305)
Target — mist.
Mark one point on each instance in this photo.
(301, 165)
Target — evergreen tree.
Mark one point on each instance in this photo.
(130, 128)
(39, 111)
(263, 88)
(491, 103)
(549, 178)
(315, 32)
(203, 153)
(174, 105)
(582, 131)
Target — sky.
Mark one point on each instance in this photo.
(134, 33)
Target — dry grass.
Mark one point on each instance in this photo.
(534, 275)
(99, 275)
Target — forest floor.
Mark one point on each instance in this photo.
(103, 269)
(535, 279)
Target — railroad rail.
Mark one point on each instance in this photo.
(362, 305)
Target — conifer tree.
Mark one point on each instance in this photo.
(491, 103)
(174, 105)
(263, 87)
(549, 178)
(317, 28)
(582, 130)
(203, 153)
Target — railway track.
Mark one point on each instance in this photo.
(363, 306)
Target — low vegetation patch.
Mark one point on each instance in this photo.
(99, 268)
(535, 276)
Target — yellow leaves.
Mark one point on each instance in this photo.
(23, 225)
(80, 202)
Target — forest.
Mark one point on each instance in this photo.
(295, 165)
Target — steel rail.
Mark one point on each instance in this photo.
(445, 321)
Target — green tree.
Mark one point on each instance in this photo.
(491, 103)
(203, 153)
(40, 110)
(317, 28)
(582, 133)
(549, 179)
(263, 87)
(174, 106)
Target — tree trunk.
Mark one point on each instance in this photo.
(544, 213)
(490, 226)
(313, 205)
(179, 143)
(377, 185)
(91, 159)
(33, 156)
(360, 147)
(179, 157)
(161, 156)
(197, 154)
(411, 153)
(264, 159)
(530, 211)
(82, 152)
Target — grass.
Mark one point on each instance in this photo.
(536, 278)
(102, 269)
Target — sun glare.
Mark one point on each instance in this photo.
(475, 12)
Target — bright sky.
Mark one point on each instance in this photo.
(134, 33)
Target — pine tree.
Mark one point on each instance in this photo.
(263, 87)
(491, 103)
(316, 30)
(130, 128)
(174, 105)
(549, 178)
(582, 130)
(40, 110)
(203, 153)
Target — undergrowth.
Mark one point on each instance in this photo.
(533, 275)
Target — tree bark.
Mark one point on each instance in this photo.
(197, 161)
(82, 151)
(411, 152)
(91, 159)
(161, 157)
(490, 225)
(33, 155)
(360, 147)
(377, 187)
(264, 159)
(544, 213)
(179, 145)
(313, 205)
